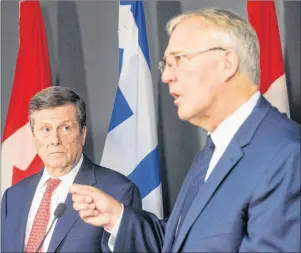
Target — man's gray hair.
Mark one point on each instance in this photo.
(56, 96)
(238, 35)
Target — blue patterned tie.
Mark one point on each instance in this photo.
(199, 169)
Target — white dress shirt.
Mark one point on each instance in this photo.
(59, 195)
(226, 130)
(221, 138)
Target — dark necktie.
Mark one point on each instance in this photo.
(198, 174)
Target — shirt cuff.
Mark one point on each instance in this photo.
(114, 232)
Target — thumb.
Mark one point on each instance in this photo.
(101, 220)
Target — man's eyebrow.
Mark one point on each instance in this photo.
(173, 53)
(63, 122)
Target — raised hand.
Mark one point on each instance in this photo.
(95, 207)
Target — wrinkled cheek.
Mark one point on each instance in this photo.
(183, 78)
(40, 148)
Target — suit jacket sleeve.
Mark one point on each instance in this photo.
(3, 218)
(129, 197)
(140, 231)
(3, 207)
(274, 210)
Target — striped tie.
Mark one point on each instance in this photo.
(199, 167)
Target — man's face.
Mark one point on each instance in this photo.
(58, 139)
(196, 82)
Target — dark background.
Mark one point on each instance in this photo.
(83, 42)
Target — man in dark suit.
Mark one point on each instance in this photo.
(242, 192)
(58, 121)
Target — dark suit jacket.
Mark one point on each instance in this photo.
(250, 202)
(71, 234)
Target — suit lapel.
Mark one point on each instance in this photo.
(64, 224)
(229, 159)
(173, 221)
(224, 166)
(25, 204)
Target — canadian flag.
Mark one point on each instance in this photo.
(263, 17)
(19, 158)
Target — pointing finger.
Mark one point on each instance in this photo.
(83, 206)
(82, 189)
(81, 199)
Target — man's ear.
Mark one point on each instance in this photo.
(84, 134)
(31, 124)
(231, 64)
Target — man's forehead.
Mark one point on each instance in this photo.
(68, 109)
(189, 34)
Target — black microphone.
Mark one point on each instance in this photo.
(58, 213)
(59, 210)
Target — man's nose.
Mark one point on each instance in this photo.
(55, 138)
(167, 75)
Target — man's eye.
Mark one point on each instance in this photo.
(169, 64)
(45, 129)
(66, 128)
(180, 57)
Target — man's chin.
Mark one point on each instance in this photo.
(57, 169)
(182, 115)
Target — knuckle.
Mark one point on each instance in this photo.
(75, 206)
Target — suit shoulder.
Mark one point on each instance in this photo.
(106, 173)
(117, 185)
(279, 127)
(23, 183)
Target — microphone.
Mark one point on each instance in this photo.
(59, 210)
(58, 213)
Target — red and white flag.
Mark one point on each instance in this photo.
(32, 73)
(263, 17)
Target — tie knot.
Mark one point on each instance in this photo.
(52, 183)
(209, 142)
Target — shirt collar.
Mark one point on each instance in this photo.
(67, 178)
(225, 131)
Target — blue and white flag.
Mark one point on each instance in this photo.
(131, 145)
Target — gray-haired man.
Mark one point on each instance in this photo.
(242, 192)
(58, 121)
